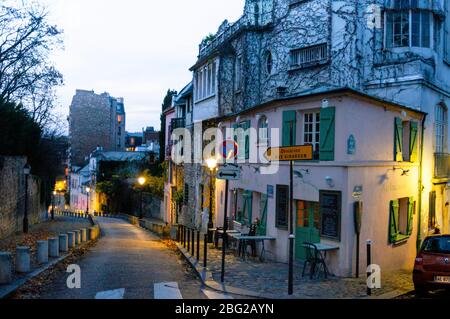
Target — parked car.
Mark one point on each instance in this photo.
(432, 266)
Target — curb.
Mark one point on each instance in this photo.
(7, 290)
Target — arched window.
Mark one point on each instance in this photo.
(408, 23)
(269, 62)
(263, 130)
(441, 123)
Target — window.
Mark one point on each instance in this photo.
(401, 219)
(205, 81)
(120, 119)
(263, 130)
(330, 214)
(312, 55)
(447, 32)
(408, 26)
(441, 129)
(238, 73)
(186, 194)
(438, 245)
(311, 131)
(405, 141)
(269, 62)
(432, 211)
(282, 207)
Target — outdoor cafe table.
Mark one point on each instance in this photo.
(325, 248)
(243, 238)
(220, 232)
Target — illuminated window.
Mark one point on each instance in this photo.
(120, 118)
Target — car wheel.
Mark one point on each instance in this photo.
(420, 290)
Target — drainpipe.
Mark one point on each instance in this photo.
(419, 222)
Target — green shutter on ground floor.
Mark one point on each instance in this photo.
(262, 229)
(393, 221)
(411, 207)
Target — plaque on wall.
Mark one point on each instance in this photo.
(330, 212)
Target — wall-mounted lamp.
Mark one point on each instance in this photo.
(325, 103)
(405, 172)
(330, 181)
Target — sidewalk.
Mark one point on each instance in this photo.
(269, 279)
(38, 232)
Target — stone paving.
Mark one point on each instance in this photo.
(270, 279)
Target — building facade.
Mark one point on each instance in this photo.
(374, 73)
(95, 120)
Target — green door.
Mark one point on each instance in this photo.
(307, 230)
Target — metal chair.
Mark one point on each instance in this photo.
(245, 243)
(315, 259)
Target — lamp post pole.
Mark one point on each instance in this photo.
(87, 202)
(291, 219)
(25, 215)
(52, 214)
(210, 221)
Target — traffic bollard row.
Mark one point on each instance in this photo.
(51, 248)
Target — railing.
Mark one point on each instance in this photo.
(177, 123)
(308, 56)
(441, 165)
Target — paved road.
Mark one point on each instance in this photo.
(130, 263)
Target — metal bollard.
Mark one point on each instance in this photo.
(53, 247)
(205, 250)
(198, 245)
(5, 268)
(63, 243)
(77, 237)
(84, 235)
(189, 239)
(369, 262)
(71, 239)
(193, 242)
(23, 260)
(42, 251)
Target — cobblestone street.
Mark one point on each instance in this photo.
(270, 279)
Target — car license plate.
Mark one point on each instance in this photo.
(442, 279)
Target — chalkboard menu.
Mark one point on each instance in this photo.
(330, 212)
(282, 206)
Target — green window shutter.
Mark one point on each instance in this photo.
(246, 127)
(262, 229)
(235, 137)
(288, 117)
(413, 142)
(398, 140)
(248, 207)
(393, 223)
(327, 133)
(411, 216)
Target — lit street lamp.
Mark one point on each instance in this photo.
(53, 206)
(88, 190)
(26, 172)
(212, 165)
(141, 180)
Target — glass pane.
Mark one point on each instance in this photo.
(415, 29)
(426, 29)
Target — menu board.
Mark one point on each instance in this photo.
(330, 211)
(282, 206)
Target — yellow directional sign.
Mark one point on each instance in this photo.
(290, 153)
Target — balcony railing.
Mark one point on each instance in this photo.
(177, 123)
(441, 165)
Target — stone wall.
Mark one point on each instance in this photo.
(12, 196)
(151, 206)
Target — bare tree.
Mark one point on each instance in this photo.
(26, 74)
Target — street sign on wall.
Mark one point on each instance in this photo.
(290, 153)
(230, 149)
(229, 172)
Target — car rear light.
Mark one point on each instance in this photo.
(419, 261)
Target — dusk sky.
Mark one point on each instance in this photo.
(135, 49)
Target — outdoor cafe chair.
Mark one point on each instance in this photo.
(315, 260)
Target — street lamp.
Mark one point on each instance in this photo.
(88, 190)
(141, 180)
(26, 172)
(212, 165)
(53, 205)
